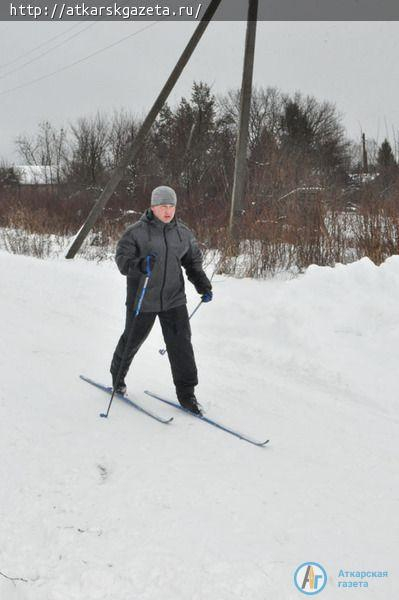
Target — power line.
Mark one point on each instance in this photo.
(11, 62)
(32, 81)
(47, 51)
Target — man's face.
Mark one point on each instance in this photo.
(164, 212)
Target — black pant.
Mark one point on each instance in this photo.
(177, 335)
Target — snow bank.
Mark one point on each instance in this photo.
(129, 508)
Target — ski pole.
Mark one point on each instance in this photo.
(131, 331)
(163, 351)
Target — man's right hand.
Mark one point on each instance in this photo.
(147, 263)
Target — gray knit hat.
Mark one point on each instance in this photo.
(163, 195)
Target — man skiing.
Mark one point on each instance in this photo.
(170, 245)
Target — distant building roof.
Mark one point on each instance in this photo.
(36, 174)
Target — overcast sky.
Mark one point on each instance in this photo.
(351, 64)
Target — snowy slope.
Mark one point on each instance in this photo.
(128, 508)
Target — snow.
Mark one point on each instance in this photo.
(128, 508)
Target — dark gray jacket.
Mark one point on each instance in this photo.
(174, 246)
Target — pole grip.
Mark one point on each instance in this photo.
(148, 263)
(146, 280)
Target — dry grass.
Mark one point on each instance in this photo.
(286, 235)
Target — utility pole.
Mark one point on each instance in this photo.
(137, 143)
(240, 169)
(365, 161)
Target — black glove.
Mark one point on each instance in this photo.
(147, 264)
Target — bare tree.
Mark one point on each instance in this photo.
(122, 130)
(47, 148)
(88, 150)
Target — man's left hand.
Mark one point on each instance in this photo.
(207, 297)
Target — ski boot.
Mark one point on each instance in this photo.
(190, 402)
(121, 388)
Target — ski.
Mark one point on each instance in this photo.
(109, 390)
(242, 436)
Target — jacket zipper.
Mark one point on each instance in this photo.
(166, 262)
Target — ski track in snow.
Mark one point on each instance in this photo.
(126, 508)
